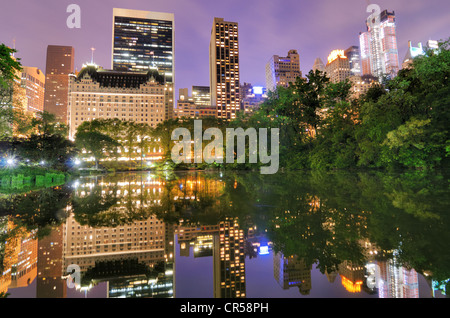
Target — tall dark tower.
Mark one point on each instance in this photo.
(145, 40)
(60, 63)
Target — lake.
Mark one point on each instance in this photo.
(229, 235)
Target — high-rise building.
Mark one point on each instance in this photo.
(352, 53)
(33, 80)
(379, 52)
(144, 40)
(280, 71)
(224, 68)
(132, 96)
(338, 66)
(60, 63)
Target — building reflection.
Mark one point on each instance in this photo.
(20, 257)
(134, 256)
(121, 231)
(292, 272)
(50, 283)
(229, 260)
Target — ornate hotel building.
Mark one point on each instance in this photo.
(134, 96)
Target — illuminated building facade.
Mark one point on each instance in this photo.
(60, 64)
(338, 66)
(33, 80)
(352, 53)
(201, 96)
(134, 96)
(252, 97)
(145, 40)
(280, 71)
(352, 276)
(361, 84)
(224, 68)
(379, 51)
(397, 281)
(229, 261)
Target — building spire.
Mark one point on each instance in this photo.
(92, 58)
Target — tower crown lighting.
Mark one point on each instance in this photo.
(334, 55)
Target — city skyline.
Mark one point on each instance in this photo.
(333, 28)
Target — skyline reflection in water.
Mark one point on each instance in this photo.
(229, 235)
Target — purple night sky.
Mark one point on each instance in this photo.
(266, 28)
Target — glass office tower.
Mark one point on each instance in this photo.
(143, 40)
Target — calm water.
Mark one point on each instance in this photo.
(229, 235)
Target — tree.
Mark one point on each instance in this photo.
(9, 68)
(96, 144)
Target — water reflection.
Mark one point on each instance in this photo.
(145, 234)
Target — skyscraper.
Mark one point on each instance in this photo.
(338, 66)
(352, 53)
(379, 52)
(280, 71)
(60, 63)
(144, 40)
(224, 68)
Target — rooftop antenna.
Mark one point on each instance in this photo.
(14, 46)
(92, 58)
